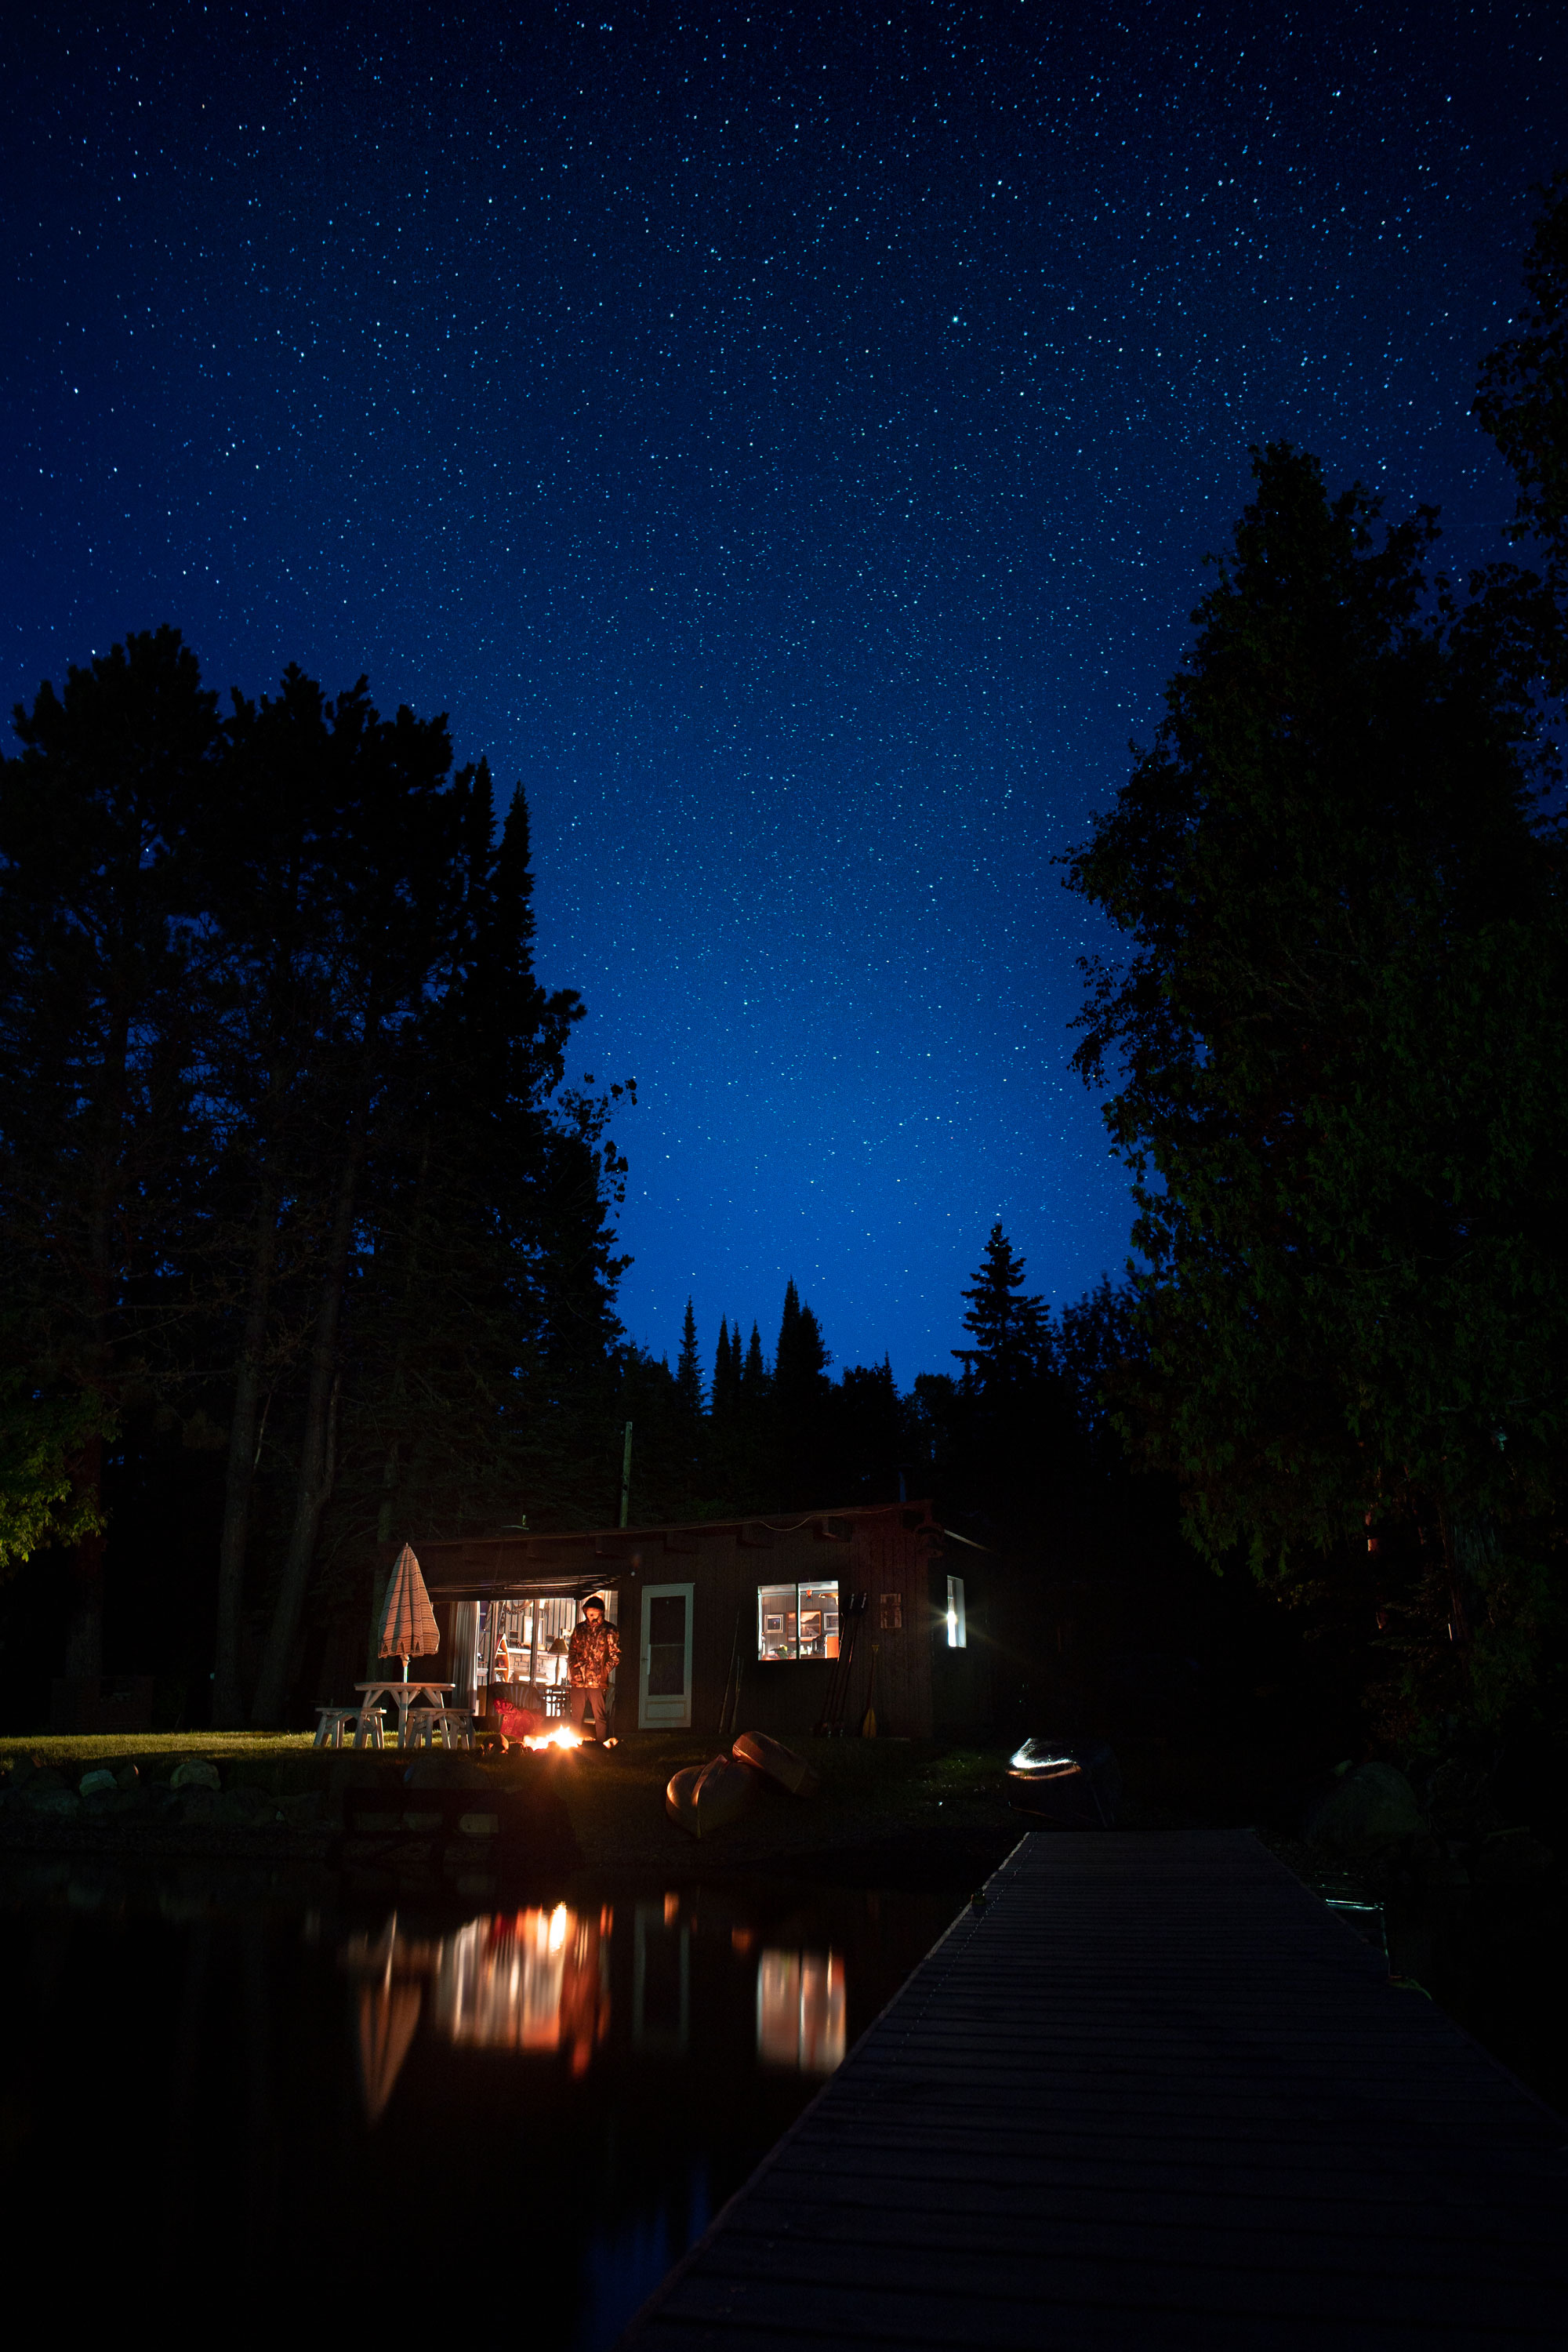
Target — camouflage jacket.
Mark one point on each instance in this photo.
(593, 1654)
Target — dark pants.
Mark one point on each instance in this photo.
(591, 1698)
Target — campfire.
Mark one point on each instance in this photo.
(561, 1736)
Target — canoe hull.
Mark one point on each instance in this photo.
(707, 1797)
(776, 1762)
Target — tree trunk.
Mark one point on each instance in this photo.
(84, 1629)
(1458, 1619)
(84, 1633)
(315, 1456)
(228, 1704)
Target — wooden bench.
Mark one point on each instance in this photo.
(333, 1722)
(440, 1727)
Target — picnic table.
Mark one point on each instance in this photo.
(403, 1695)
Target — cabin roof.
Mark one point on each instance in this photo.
(589, 1559)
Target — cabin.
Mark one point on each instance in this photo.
(787, 1622)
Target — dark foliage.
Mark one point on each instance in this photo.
(292, 1180)
(1339, 1049)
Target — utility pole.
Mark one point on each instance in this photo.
(626, 1475)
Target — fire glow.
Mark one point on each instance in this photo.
(561, 1736)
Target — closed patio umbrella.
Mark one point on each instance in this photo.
(388, 2018)
(408, 1627)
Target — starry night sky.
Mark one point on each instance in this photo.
(788, 440)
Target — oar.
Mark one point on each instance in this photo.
(732, 1680)
(851, 1611)
(869, 1720)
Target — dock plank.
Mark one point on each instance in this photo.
(1150, 2093)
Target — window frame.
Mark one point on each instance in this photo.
(819, 1598)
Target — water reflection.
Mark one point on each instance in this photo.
(388, 2020)
(539, 1980)
(802, 2010)
(613, 2062)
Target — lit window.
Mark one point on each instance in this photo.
(801, 2011)
(797, 1620)
(957, 1632)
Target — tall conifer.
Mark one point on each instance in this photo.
(1011, 1331)
(689, 1369)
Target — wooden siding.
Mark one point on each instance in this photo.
(1153, 2095)
(895, 1548)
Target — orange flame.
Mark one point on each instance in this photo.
(561, 1736)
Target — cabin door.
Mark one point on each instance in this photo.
(664, 1691)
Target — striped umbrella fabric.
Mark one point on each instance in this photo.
(408, 1627)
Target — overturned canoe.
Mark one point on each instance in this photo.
(709, 1797)
(777, 1761)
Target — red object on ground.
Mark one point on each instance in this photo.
(516, 1722)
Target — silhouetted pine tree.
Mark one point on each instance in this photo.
(689, 1369)
(726, 1391)
(800, 1405)
(1011, 1330)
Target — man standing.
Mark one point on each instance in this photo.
(591, 1656)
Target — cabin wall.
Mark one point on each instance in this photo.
(894, 1556)
(878, 1555)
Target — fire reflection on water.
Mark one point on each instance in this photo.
(537, 1981)
(531, 1981)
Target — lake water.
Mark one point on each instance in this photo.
(252, 2098)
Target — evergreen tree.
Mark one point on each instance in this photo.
(799, 1405)
(1011, 1331)
(755, 1378)
(726, 1391)
(689, 1369)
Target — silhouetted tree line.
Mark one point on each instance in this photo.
(303, 1239)
(1022, 1425)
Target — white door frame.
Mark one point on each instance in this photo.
(664, 1714)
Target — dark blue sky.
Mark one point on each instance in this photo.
(786, 440)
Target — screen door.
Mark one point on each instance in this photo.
(663, 1698)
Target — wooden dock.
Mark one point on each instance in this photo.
(1152, 2094)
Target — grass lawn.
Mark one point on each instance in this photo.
(917, 1796)
(83, 1747)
